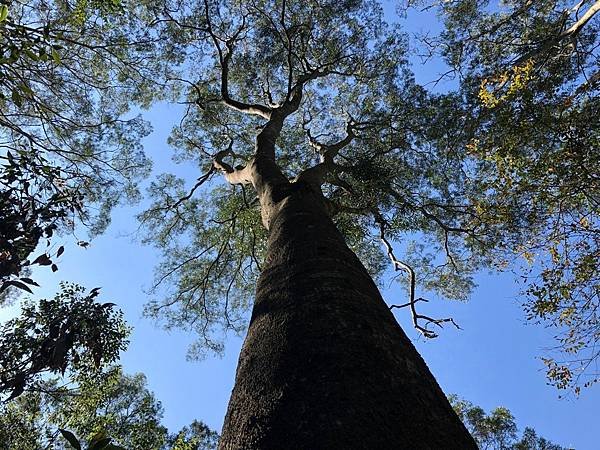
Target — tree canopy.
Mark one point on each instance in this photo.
(294, 94)
(498, 430)
(504, 165)
(338, 110)
(529, 76)
(113, 407)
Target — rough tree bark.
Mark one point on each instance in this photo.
(325, 365)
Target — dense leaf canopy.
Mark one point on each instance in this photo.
(529, 77)
(505, 165)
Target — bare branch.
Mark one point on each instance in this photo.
(224, 59)
(203, 179)
(330, 151)
(316, 175)
(238, 175)
(404, 305)
(579, 24)
(399, 265)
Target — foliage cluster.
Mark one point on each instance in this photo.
(498, 430)
(33, 207)
(112, 411)
(383, 143)
(529, 79)
(70, 75)
(69, 332)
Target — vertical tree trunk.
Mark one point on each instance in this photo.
(325, 364)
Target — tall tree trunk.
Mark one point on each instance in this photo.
(325, 365)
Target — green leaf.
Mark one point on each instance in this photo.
(3, 13)
(70, 437)
(55, 56)
(26, 88)
(31, 54)
(16, 98)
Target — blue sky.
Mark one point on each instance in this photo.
(492, 361)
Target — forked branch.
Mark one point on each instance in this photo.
(224, 59)
(234, 175)
(569, 33)
(411, 304)
(583, 20)
(327, 152)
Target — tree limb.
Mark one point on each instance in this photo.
(579, 24)
(399, 265)
(224, 59)
(238, 175)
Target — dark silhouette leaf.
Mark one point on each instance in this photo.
(42, 260)
(29, 281)
(70, 437)
(20, 285)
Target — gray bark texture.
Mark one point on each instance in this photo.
(325, 365)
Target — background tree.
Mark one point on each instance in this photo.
(196, 436)
(115, 405)
(529, 81)
(70, 73)
(498, 430)
(71, 333)
(26, 221)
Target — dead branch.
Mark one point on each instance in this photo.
(399, 265)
